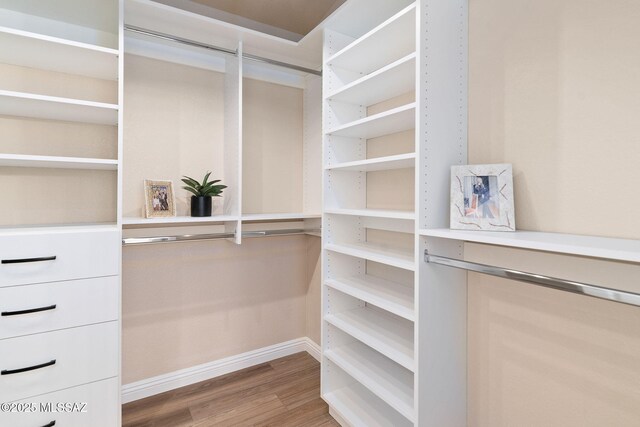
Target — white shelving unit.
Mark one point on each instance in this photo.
(81, 39)
(394, 352)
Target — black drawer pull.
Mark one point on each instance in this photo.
(25, 260)
(30, 368)
(51, 424)
(29, 311)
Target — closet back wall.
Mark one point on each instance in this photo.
(186, 304)
(554, 89)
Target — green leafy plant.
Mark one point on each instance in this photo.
(206, 188)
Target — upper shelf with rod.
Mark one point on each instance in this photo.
(570, 244)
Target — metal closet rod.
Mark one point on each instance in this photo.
(193, 43)
(539, 280)
(129, 241)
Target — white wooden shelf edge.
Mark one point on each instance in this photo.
(393, 297)
(376, 213)
(17, 160)
(57, 40)
(392, 80)
(570, 244)
(279, 216)
(178, 220)
(381, 376)
(399, 161)
(59, 228)
(376, 253)
(385, 123)
(383, 332)
(56, 99)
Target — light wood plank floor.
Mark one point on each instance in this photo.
(281, 393)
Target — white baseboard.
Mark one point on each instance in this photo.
(184, 377)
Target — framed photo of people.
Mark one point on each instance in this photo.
(482, 198)
(159, 199)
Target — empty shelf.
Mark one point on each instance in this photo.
(375, 252)
(17, 160)
(390, 335)
(33, 50)
(393, 297)
(178, 220)
(389, 41)
(278, 216)
(359, 407)
(55, 108)
(386, 83)
(400, 161)
(375, 213)
(392, 121)
(381, 376)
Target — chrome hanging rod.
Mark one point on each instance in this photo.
(539, 280)
(130, 241)
(193, 43)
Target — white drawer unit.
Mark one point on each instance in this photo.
(33, 309)
(40, 257)
(90, 405)
(43, 363)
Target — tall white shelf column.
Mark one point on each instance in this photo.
(394, 353)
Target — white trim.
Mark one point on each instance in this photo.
(161, 383)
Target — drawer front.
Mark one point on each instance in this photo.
(99, 403)
(52, 257)
(32, 309)
(81, 355)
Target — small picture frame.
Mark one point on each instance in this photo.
(159, 199)
(482, 198)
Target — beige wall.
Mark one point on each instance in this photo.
(271, 148)
(173, 126)
(192, 303)
(553, 89)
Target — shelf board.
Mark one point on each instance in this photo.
(391, 121)
(375, 213)
(359, 407)
(59, 228)
(400, 161)
(27, 161)
(279, 216)
(381, 376)
(55, 108)
(388, 82)
(376, 252)
(393, 297)
(394, 38)
(187, 220)
(33, 50)
(570, 244)
(383, 332)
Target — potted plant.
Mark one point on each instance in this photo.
(202, 194)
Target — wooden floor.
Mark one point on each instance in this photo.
(284, 392)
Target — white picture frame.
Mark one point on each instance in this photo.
(482, 198)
